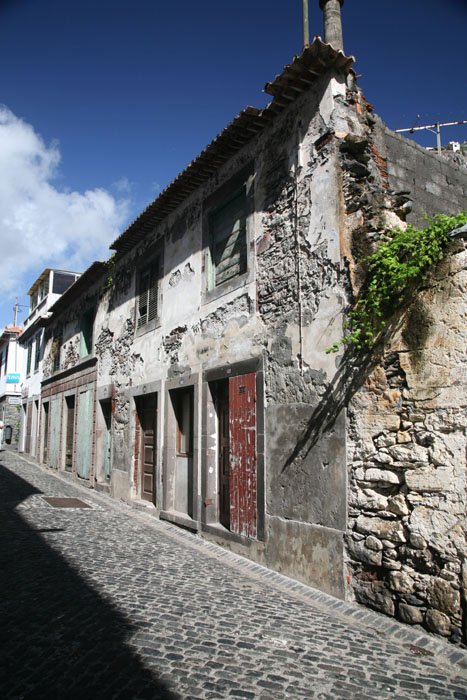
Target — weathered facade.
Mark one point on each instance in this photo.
(193, 373)
(43, 293)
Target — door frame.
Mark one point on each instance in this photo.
(169, 454)
(210, 478)
(140, 446)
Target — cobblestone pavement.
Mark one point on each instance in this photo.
(107, 602)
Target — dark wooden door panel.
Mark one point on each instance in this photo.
(148, 420)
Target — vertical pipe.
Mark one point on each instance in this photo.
(438, 137)
(306, 30)
(332, 23)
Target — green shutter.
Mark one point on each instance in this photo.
(148, 298)
(28, 363)
(228, 240)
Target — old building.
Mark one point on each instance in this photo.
(43, 293)
(189, 373)
(10, 377)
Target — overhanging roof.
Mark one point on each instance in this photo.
(305, 70)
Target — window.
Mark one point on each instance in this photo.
(55, 353)
(37, 352)
(228, 240)
(28, 360)
(62, 281)
(87, 323)
(148, 294)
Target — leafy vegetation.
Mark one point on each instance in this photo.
(111, 265)
(403, 259)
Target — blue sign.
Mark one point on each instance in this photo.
(12, 378)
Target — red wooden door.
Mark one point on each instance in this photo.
(242, 409)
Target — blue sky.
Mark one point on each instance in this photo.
(105, 102)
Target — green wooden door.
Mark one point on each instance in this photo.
(54, 442)
(84, 433)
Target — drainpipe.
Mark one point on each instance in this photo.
(333, 23)
(306, 31)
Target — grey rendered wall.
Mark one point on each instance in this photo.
(436, 185)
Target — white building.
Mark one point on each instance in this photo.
(45, 291)
(10, 379)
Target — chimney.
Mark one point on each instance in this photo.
(332, 22)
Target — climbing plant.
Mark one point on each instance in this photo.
(111, 267)
(405, 257)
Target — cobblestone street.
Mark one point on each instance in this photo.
(108, 602)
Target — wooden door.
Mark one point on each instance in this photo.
(27, 447)
(84, 433)
(45, 419)
(243, 478)
(148, 421)
(70, 432)
(55, 421)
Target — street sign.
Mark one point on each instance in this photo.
(12, 378)
(14, 400)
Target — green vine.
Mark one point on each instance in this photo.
(111, 265)
(403, 259)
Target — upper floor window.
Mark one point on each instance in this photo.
(87, 324)
(37, 352)
(62, 281)
(55, 353)
(148, 294)
(28, 359)
(228, 240)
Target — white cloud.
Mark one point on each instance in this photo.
(122, 185)
(41, 226)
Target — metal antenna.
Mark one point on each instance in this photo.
(430, 127)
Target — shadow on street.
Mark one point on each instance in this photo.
(61, 639)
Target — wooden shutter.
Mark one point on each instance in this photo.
(228, 239)
(37, 352)
(28, 363)
(153, 291)
(148, 296)
(243, 476)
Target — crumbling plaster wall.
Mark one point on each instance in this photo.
(64, 333)
(197, 333)
(302, 292)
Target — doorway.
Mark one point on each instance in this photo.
(45, 439)
(235, 407)
(107, 415)
(147, 414)
(182, 403)
(70, 432)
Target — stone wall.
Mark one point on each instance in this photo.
(406, 540)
